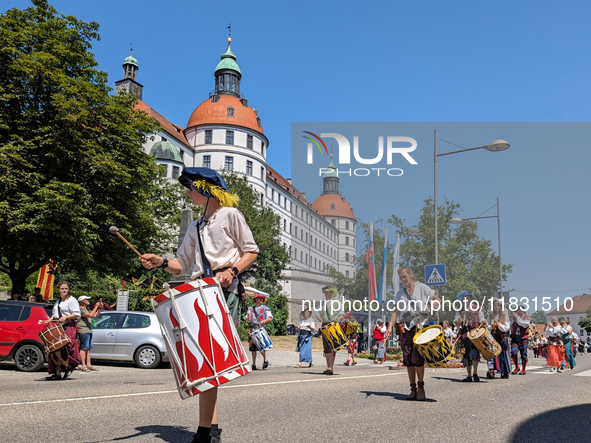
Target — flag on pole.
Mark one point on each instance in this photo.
(371, 271)
(138, 281)
(45, 280)
(154, 279)
(382, 285)
(395, 277)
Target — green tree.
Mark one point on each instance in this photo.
(539, 318)
(264, 224)
(71, 157)
(585, 323)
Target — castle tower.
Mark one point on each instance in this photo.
(129, 82)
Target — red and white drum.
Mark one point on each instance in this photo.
(204, 348)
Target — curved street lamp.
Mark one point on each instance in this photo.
(497, 145)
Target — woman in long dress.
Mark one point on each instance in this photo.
(304, 340)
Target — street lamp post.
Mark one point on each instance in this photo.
(495, 146)
(458, 220)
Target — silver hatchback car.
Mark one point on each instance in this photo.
(129, 335)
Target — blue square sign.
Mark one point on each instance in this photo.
(435, 275)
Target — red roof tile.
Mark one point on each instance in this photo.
(209, 112)
(175, 131)
(581, 304)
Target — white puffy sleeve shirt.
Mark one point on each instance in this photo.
(70, 306)
(225, 238)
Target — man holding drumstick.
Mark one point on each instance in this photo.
(408, 322)
(220, 243)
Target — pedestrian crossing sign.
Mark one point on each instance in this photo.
(435, 275)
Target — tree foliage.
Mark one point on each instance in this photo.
(539, 318)
(471, 262)
(264, 224)
(585, 323)
(71, 157)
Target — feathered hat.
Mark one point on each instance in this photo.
(208, 183)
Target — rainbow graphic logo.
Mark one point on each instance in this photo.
(316, 142)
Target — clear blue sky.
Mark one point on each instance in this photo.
(427, 61)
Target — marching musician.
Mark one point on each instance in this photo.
(379, 334)
(408, 322)
(67, 310)
(467, 319)
(332, 312)
(258, 316)
(499, 326)
(555, 352)
(519, 339)
(351, 325)
(220, 243)
(567, 340)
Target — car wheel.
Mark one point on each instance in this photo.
(147, 357)
(29, 358)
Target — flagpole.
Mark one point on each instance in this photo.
(369, 329)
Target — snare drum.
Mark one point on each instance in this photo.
(261, 339)
(333, 334)
(485, 342)
(352, 328)
(433, 346)
(200, 336)
(54, 337)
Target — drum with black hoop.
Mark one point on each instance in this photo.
(333, 334)
(482, 338)
(433, 346)
(54, 337)
(261, 339)
(201, 339)
(351, 328)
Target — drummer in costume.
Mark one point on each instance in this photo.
(67, 310)
(408, 322)
(519, 339)
(499, 326)
(258, 316)
(351, 330)
(332, 312)
(466, 320)
(220, 243)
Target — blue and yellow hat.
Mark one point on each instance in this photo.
(208, 183)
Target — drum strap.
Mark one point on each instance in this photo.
(204, 261)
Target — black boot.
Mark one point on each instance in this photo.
(202, 435)
(216, 434)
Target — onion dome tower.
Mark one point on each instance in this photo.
(129, 83)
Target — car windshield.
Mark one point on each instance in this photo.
(107, 320)
(136, 321)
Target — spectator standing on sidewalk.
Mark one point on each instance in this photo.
(85, 331)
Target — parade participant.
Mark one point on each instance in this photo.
(544, 345)
(67, 310)
(220, 243)
(352, 346)
(555, 352)
(470, 317)
(575, 343)
(519, 339)
(85, 332)
(407, 320)
(332, 312)
(304, 340)
(258, 316)
(379, 334)
(499, 325)
(449, 333)
(567, 338)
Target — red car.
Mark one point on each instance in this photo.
(19, 329)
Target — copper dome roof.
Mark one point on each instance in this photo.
(342, 208)
(209, 112)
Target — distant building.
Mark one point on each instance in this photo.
(225, 133)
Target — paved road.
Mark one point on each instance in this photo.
(358, 404)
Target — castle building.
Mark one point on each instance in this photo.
(225, 133)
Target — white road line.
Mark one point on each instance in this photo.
(583, 374)
(60, 400)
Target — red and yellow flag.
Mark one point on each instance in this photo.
(45, 280)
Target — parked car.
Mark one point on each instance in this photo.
(19, 329)
(129, 335)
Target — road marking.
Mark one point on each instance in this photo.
(583, 374)
(60, 400)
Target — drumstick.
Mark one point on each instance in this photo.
(114, 230)
(42, 322)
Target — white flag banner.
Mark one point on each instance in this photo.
(395, 277)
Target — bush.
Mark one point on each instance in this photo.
(242, 329)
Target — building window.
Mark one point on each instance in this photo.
(208, 137)
(229, 164)
(346, 240)
(262, 198)
(175, 172)
(295, 230)
(230, 111)
(248, 167)
(347, 274)
(249, 141)
(207, 161)
(347, 257)
(347, 225)
(272, 195)
(285, 225)
(229, 137)
(332, 206)
(333, 222)
(306, 237)
(262, 173)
